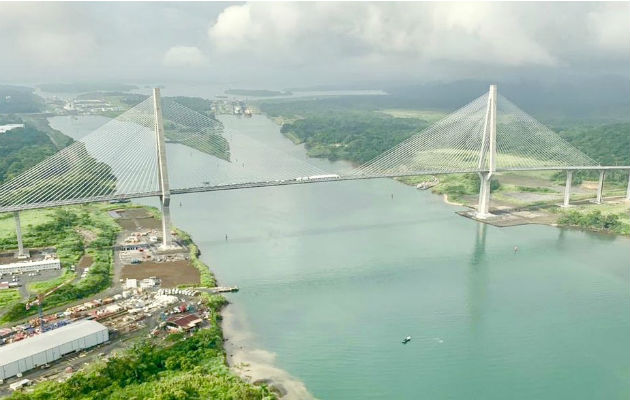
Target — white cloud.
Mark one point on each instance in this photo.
(184, 56)
(609, 25)
(311, 42)
(52, 37)
(478, 32)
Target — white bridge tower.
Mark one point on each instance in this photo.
(165, 193)
(488, 152)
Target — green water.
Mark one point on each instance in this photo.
(334, 275)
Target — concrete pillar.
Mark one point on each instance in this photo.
(483, 206)
(567, 188)
(165, 193)
(628, 190)
(600, 187)
(18, 231)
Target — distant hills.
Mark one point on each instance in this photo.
(597, 99)
(19, 99)
(81, 87)
(257, 92)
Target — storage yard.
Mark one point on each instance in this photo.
(130, 314)
(144, 300)
(19, 357)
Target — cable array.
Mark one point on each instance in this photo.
(456, 144)
(451, 144)
(120, 158)
(117, 158)
(523, 142)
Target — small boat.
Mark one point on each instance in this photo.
(406, 340)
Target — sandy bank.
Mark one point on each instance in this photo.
(445, 198)
(256, 365)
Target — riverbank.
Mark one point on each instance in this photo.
(538, 203)
(254, 366)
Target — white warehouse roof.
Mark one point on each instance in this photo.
(36, 344)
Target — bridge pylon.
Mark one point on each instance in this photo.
(165, 193)
(488, 154)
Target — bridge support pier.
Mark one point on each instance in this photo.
(166, 222)
(18, 232)
(600, 186)
(483, 206)
(567, 188)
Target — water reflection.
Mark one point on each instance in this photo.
(480, 244)
(562, 238)
(477, 277)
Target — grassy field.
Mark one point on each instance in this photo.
(44, 286)
(27, 218)
(9, 296)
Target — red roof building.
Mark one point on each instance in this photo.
(184, 322)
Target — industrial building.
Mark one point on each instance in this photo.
(30, 266)
(18, 357)
(184, 322)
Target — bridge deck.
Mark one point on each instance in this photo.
(238, 186)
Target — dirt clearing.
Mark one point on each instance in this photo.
(171, 273)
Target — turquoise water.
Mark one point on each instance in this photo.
(334, 275)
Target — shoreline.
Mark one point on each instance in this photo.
(516, 217)
(253, 365)
(452, 203)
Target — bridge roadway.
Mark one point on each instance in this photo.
(295, 181)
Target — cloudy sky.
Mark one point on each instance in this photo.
(301, 44)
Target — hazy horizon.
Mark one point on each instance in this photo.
(281, 45)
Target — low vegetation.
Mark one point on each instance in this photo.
(8, 297)
(594, 220)
(206, 276)
(537, 189)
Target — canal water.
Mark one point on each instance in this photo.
(334, 275)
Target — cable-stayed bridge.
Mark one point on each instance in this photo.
(127, 157)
